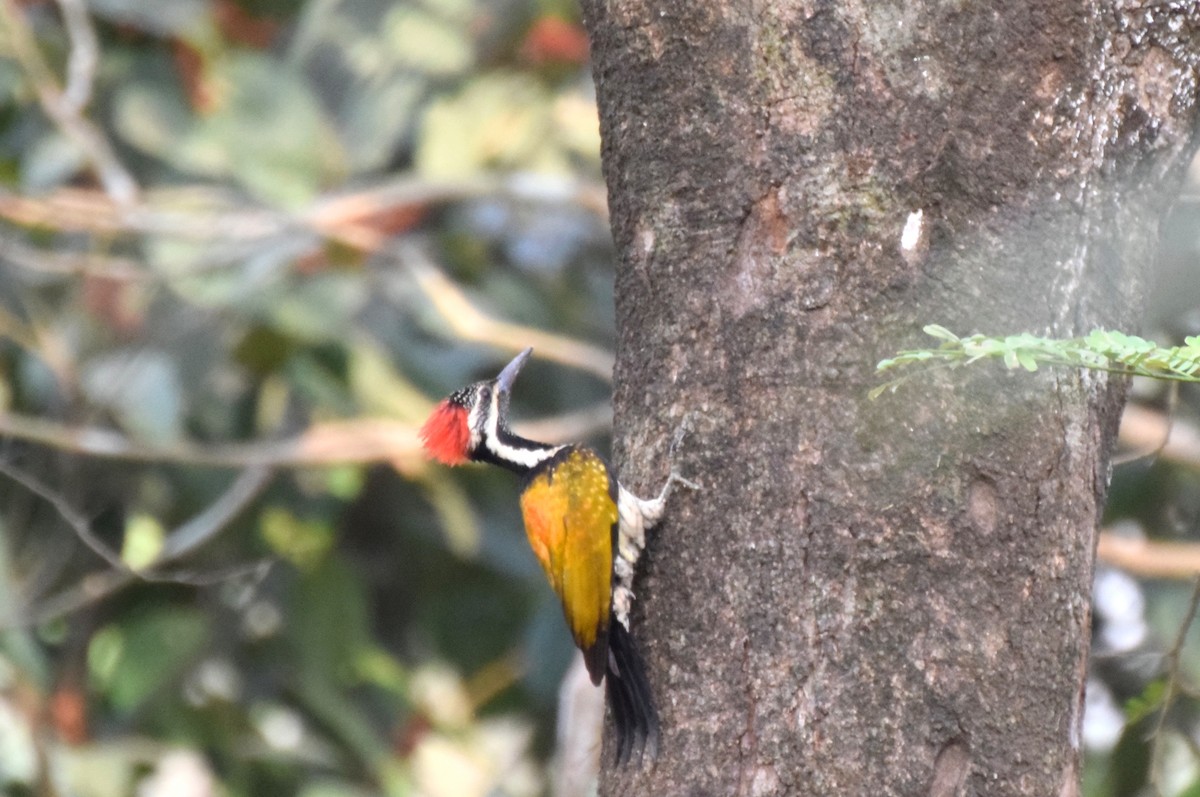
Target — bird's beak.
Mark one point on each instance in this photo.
(505, 381)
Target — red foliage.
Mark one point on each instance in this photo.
(237, 25)
(68, 714)
(114, 302)
(555, 41)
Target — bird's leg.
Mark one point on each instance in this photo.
(685, 426)
(652, 509)
(637, 515)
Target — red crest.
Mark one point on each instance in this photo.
(445, 435)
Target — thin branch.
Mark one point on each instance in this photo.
(569, 427)
(467, 322)
(71, 264)
(1173, 657)
(44, 343)
(84, 56)
(12, 328)
(360, 441)
(64, 108)
(83, 210)
(339, 214)
(204, 526)
(212, 216)
(1144, 429)
(1156, 451)
(178, 543)
(323, 444)
(1150, 558)
(78, 523)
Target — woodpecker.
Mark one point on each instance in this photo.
(586, 530)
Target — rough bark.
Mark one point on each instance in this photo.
(886, 597)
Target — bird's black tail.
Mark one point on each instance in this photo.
(630, 698)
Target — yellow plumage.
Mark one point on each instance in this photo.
(570, 517)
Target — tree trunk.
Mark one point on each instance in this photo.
(886, 597)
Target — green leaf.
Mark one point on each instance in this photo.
(876, 392)
(162, 17)
(345, 481)
(272, 130)
(1100, 349)
(427, 42)
(267, 131)
(151, 114)
(49, 162)
(1149, 701)
(453, 506)
(377, 119)
(143, 541)
(318, 308)
(329, 628)
(500, 120)
(379, 388)
(330, 788)
(1099, 340)
(142, 388)
(304, 543)
(1140, 344)
(377, 666)
(133, 659)
(940, 332)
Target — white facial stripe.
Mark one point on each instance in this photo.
(525, 457)
(473, 422)
(493, 423)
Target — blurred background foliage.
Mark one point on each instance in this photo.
(245, 245)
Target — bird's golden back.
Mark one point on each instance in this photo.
(570, 516)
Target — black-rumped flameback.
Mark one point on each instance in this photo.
(586, 530)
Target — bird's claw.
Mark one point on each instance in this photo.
(685, 426)
(681, 431)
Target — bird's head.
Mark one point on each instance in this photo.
(460, 425)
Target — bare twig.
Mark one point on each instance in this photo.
(210, 216)
(12, 328)
(469, 323)
(323, 444)
(1150, 558)
(78, 523)
(204, 526)
(570, 426)
(48, 346)
(1172, 686)
(70, 264)
(1144, 429)
(1168, 416)
(342, 215)
(65, 107)
(178, 543)
(328, 443)
(84, 57)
